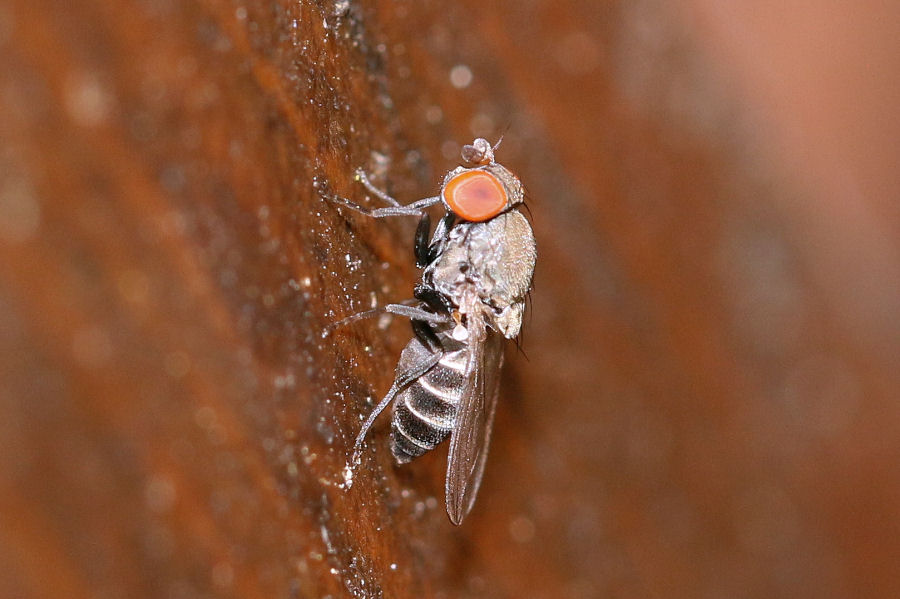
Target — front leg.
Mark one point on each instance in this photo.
(415, 209)
(378, 193)
(421, 246)
(395, 209)
(439, 239)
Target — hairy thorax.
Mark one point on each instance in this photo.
(494, 258)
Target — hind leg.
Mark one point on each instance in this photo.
(404, 377)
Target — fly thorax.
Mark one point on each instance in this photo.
(450, 272)
(496, 259)
(501, 257)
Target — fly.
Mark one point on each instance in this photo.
(477, 271)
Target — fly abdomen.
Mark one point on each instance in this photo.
(425, 412)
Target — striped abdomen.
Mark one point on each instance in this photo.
(425, 412)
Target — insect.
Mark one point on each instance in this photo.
(477, 272)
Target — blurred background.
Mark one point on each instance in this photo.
(706, 404)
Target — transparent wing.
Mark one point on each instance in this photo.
(474, 419)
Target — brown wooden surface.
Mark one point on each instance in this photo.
(709, 405)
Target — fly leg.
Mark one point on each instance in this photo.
(422, 247)
(401, 381)
(434, 299)
(363, 178)
(411, 312)
(426, 335)
(426, 251)
(439, 305)
(395, 208)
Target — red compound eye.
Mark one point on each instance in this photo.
(475, 195)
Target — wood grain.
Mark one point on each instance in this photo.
(706, 404)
